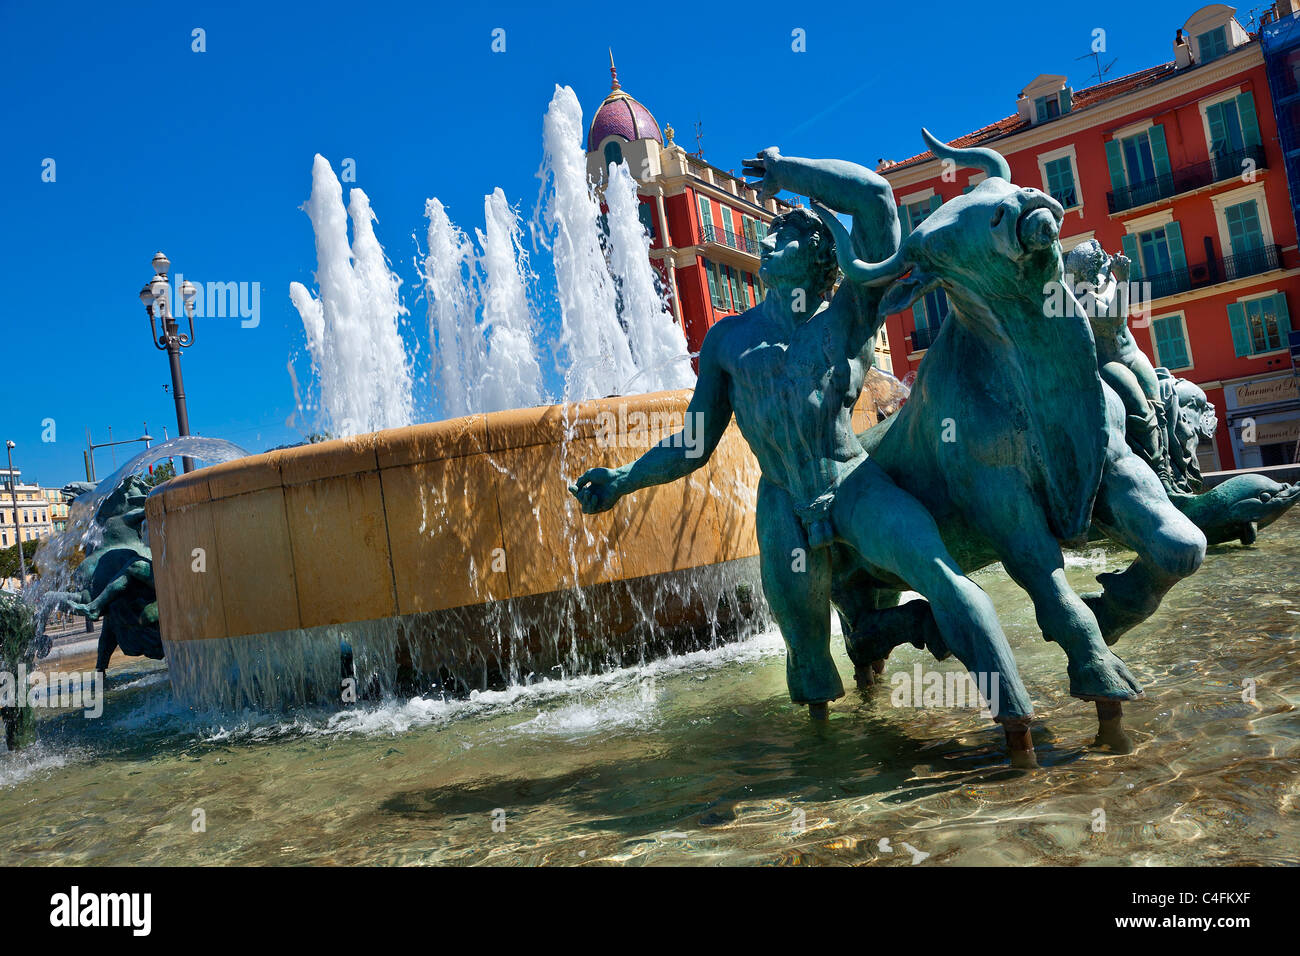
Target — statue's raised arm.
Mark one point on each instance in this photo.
(855, 191)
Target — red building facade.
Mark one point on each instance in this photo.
(1179, 167)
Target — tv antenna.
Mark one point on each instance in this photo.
(699, 139)
(1101, 71)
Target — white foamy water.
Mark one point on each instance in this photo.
(617, 334)
(449, 282)
(597, 357)
(512, 377)
(352, 324)
(587, 703)
(658, 342)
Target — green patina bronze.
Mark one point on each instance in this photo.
(1010, 446)
(1167, 416)
(115, 580)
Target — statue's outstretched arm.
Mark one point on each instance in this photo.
(843, 186)
(707, 417)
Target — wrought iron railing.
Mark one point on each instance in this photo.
(734, 240)
(1263, 259)
(1186, 178)
(1224, 269)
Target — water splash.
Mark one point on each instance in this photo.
(449, 274)
(512, 377)
(57, 554)
(658, 342)
(596, 354)
(352, 325)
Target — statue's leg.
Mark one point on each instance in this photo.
(894, 532)
(1142, 429)
(797, 585)
(1018, 529)
(1133, 509)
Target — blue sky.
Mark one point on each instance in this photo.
(208, 155)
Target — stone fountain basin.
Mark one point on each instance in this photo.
(450, 553)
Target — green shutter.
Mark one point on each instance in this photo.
(1159, 151)
(1066, 98)
(1171, 343)
(713, 283)
(1174, 240)
(1130, 244)
(935, 202)
(1240, 334)
(1283, 317)
(1115, 162)
(1249, 121)
(1218, 129)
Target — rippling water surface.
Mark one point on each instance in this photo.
(702, 759)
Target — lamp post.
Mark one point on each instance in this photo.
(89, 454)
(13, 495)
(156, 297)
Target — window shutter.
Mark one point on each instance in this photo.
(713, 283)
(1173, 348)
(1283, 317)
(1174, 240)
(935, 202)
(1115, 162)
(1160, 329)
(1218, 129)
(1066, 97)
(1249, 121)
(1240, 334)
(1130, 244)
(1159, 150)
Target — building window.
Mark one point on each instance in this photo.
(1171, 342)
(1259, 325)
(647, 219)
(1212, 44)
(1245, 235)
(726, 287)
(1139, 162)
(914, 213)
(1047, 107)
(613, 153)
(1155, 253)
(1060, 182)
(1226, 135)
(706, 216)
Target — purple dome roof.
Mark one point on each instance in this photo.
(621, 115)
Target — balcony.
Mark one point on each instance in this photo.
(1225, 269)
(923, 338)
(1185, 179)
(733, 240)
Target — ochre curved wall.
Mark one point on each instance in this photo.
(436, 516)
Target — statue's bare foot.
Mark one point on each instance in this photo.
(869, 676)
(819, 711)
(1110, 729)
(1020, 744)
(1102, 676)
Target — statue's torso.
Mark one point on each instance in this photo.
(793, 395)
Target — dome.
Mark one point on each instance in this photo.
(621, 115)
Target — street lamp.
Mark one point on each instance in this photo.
(89, 454)
(156, 299)
(13, 494)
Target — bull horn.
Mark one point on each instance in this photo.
(859, 270)
(989, 160)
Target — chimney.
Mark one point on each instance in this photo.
(1183, 51)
